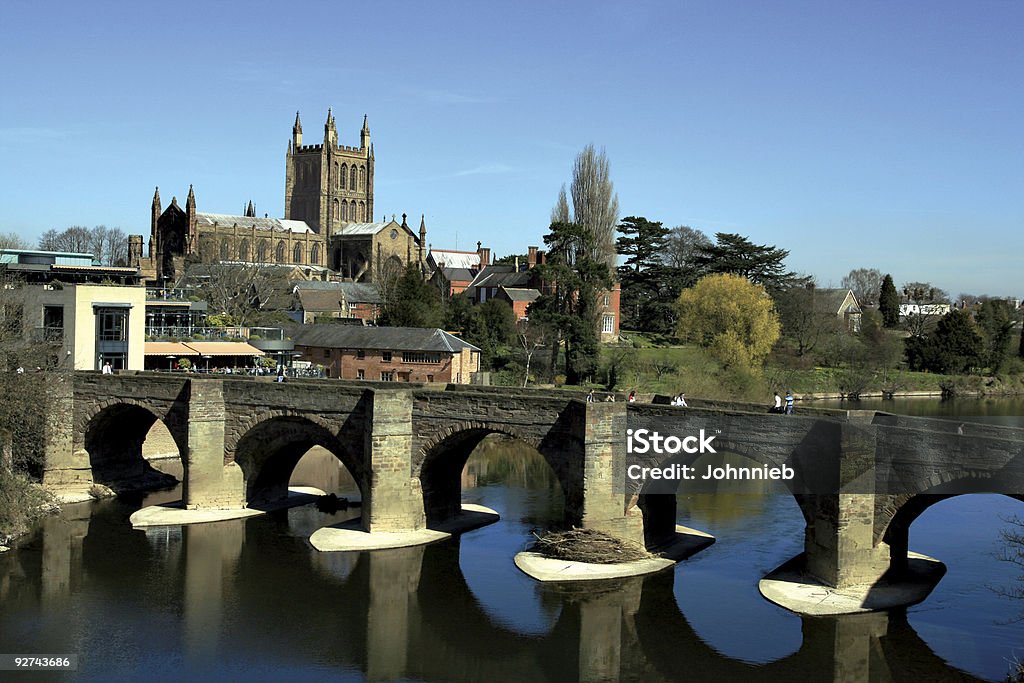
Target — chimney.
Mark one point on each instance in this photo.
(531, 257)
(485, 256)
(517, 264)
(541, 258)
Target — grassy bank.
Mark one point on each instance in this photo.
(651, 364)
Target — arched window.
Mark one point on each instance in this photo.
(341, 176)
(314, 254)
(243, 250)
(279, 252)
(297, 254)
(352, 211)
(262, 254)
(362, 177)
(337, 211)
(352, 180)
(225, 253)
(362, 212)
(336, 173)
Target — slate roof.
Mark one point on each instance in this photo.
(517, 294)
(502, 276)
(227, 220)
(458, 274)
(383, 338)
(360, 292)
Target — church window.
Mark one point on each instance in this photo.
(344, 211)
(262, 255)
(279, 253)
(352, 211)
(243, 250)
(224, 250)
(341, 176)
(336, 171)
(352, 179)
(297, 254)
(337, 211)
(362, 177)
(314, 254)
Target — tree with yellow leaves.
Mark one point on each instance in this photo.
(731, 317)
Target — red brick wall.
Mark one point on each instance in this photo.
(346, 364)
(612, 308)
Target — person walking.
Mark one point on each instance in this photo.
(590, 396)
(632, 397)
(107, 370)
(789, 403)
(778, 404)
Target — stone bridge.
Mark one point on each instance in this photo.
(861, 477)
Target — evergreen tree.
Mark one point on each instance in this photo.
(955, 346)
(412, 302)
(995, 320)
(643, 277)
(578, 272)
(759, 263)
(889, 303)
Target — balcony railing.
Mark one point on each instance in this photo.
(235, 333)
(171, 294)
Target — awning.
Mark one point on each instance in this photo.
(168, 349)
(222, 348)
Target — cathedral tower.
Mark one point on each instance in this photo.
(328, 185)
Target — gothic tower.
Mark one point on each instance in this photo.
(329, 185)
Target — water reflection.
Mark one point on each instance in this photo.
(251, 599)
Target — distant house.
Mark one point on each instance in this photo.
(841, 303)
(519, 299)
(458, 268)
(314, 299)
(388, 354)
(908, 310)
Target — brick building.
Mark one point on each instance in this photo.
(388, 354)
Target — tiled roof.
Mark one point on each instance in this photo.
(449, 258)
(385, 338)
(354, 292)
(501, 276)
(320, 300)
(458, 274)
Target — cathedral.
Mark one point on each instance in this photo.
(327, 230)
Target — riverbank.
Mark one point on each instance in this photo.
(22, 503)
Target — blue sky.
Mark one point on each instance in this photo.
(868, 134)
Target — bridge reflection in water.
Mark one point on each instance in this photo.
(252, 599)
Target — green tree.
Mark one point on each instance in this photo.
(578, 272)
(492, 327)
(996, 322)
(644, 295)
(759, 263)
(955, 346)
(732, 317)
(889, 302)
(412, 302)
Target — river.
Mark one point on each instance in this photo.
(252, 600)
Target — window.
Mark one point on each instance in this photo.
(430, 378)
(360, 374)
(314, 254)
(224, 250)
(53, 323)
(327, 354)
(279, 252)
(112, 324)
(362, 177)
(608, 324)
(385, 356)
(420, 357)
(243, 250)
(352, 179)
(360, 354)
(297, 254)
(606, 299)
(262, 256)
(341, 177)
(387, 376)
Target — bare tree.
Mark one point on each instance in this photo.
(560, 211)
(77, 239)
(682, 243)
(866, 284)
(241, 291)
(532, 337)
(12, 240)
(107, 245)
(595, 206)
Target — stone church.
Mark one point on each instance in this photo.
(327, 230)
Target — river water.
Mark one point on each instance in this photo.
(252, 600)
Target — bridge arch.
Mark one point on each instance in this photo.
(268, 451)
(113, 434)
(444, 455)
(657, 498)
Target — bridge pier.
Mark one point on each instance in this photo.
(604, 474)
(66, 462)
(393, 499)
(209, 483)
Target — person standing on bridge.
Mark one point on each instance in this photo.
(107, 370)
(789, 403)
(777, 408)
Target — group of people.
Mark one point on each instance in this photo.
(779, 408)
(680, 400)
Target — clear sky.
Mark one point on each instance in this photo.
(858, 134)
